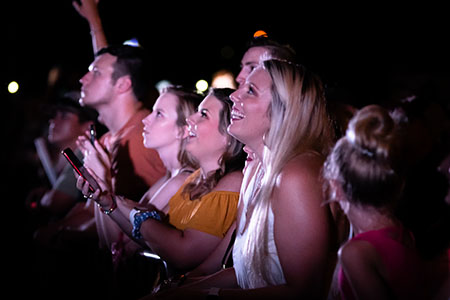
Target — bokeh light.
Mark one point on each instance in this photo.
(13, 87)
(202, 85)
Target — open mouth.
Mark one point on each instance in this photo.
(236, 115)
(191, 131)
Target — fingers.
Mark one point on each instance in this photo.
(84, 144)
(83, 186)
(101, 151)
(76, 6)
(96, 194)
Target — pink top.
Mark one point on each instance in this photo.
(403, 265)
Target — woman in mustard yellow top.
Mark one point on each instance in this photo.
(203, 213)
(204, 208)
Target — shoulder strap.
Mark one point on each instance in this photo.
(227, 260)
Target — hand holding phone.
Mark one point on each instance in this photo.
(77, 165)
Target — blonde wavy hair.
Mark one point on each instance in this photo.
(299, 123)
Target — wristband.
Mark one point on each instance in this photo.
(108, 211)
(139, 218)
(133, 213)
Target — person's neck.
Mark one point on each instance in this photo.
(257, 149)
(208, 166)
(116, 114)
(169, 157)
(367, 218)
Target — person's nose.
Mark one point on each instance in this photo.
(234, 97)
(83, 80)
(240, 79)
(190, 122)
(146, 120)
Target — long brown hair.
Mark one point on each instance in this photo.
(232, 159)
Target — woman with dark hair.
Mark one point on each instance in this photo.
(200, 213)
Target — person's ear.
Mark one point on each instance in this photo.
(338, 195)
(123, 84)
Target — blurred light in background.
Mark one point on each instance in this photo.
(53, 75)
(260, 33)
(201, 86)
(223, 79)
(162, 84)
(13, 87)
(132, 42)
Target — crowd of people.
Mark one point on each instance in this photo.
(272, 190)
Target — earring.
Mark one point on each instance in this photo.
(264, 138)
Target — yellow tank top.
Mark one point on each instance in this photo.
(212, 213)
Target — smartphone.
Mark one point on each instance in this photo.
(77, 165)
(93, 134)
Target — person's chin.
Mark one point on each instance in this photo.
(234, 130)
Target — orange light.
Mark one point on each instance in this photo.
(260, 33)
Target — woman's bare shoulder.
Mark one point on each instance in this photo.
(305, 166)
(230, 182)
(299, 184)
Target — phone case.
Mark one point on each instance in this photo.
(77, 165)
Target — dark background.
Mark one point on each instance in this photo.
(185, 41)
(363, 54)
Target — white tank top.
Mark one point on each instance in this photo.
(246, 277)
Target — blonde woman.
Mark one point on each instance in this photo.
(285, 241)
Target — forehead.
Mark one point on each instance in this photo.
(211, 103)
(166, 100)
(103, 61)
(260, 77)
(252, 56)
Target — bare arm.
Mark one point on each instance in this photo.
(360, 264)
(89, 10)
(302, 228)
(182, 249)
(186, 249)
(214, 261)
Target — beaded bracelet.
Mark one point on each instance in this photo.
(139, 218)
(109, 211)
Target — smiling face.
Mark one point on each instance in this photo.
(204, 140)
(160, 127)
(249, 117)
